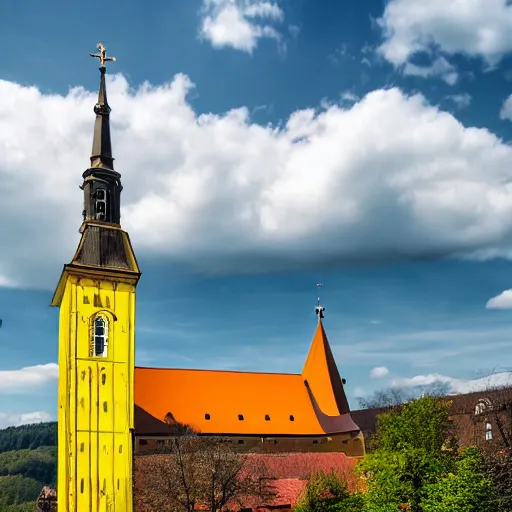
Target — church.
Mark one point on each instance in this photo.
(108, 408)
(258, 412)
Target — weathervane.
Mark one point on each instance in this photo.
(102, 55)
(319, 309)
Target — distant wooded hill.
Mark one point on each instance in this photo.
(28, 462)
(28, 437)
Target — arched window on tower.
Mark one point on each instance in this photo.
(488, 432)
(100, 336)
(101, 204)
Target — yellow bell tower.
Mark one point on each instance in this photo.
(96, 297)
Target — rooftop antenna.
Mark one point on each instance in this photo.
(319, 309)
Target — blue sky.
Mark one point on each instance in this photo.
(274, 146)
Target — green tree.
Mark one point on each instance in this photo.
(466, 489)
(39, 464)
(328, 492)
(413, 446)
(28, 506)
(16, 489)
(422, 424)
(28, 436)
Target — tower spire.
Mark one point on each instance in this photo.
(102, 184)
(102, 147)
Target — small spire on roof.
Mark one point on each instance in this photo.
(319, 309)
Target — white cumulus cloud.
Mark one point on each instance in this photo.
(5, 282)
(378, 372)
(387, 176)
(474, 28)
(501, 301)
(439, 67)
(506, 109)
(239, 24)
(15, 420)
(25, 380)
(461, 100)
(455, 385)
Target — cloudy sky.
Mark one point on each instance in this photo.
(266, 147)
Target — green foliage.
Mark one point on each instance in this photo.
(28, 436)
(40, 464)
(28, 506)
(28, 461)
(386, 488)
(16, 489)
(467, 489)
(420, 424)
(498, 467)
(327, 492)
(412, 448)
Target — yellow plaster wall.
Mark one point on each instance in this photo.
(95, 398)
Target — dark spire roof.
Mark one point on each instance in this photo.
(102, 146)
(105, 250)
(102, 184)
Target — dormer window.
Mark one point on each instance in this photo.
(100, 336)
(482, 406)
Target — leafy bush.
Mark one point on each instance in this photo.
(467, 489)
(328, 493)
(413, 447)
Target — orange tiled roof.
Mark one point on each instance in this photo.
(246, 403)
(321, 373)
(302, 465)
(189, 395)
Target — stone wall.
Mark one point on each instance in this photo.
(351, 445)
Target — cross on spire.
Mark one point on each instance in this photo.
(102, 55)
(319, 309)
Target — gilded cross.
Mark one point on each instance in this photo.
(102, 55)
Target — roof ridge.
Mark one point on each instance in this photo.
(216, 370)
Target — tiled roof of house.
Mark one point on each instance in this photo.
(287, 474)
